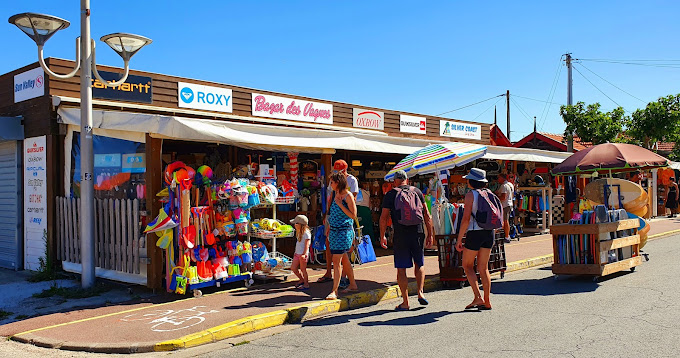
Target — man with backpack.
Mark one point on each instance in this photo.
(506, 193)
(406, 205)
(482, 215)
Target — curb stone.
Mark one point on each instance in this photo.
(314, 310)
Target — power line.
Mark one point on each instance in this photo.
(615, 86)
(544, 114)
(586, 78)
(608, 59)
(534, 99)
(486, 110)
(470, 105)
(661, 65)
(522, 110)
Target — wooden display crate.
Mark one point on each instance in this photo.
(603, 243)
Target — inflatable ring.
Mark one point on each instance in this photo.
(643, 241)
(274, 225)
(640, 212)
(636, 203)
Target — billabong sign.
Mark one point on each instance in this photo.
(460, 130)
(412, 124)
(364, 118)
(204, 97)
(135, 88)
(29, 84)
(293, 109)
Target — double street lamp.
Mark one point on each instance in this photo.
(40, 28)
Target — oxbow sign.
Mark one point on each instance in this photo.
(412, 124)
(364, 118)
(204, 97)
(29, 84)
(460, 130)
(291, 109)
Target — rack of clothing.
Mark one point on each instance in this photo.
(533, 205)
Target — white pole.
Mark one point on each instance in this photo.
(654, 192)
(86, 152)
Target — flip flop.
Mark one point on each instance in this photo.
(302, 288)
(483, 308)
(347, 290)
(323, 279)
(473, 306)
(423, 301)
(401, 309)
(331, 297)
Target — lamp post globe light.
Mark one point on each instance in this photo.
(40, 28)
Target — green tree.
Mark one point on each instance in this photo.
(658, 122)
(592, 125)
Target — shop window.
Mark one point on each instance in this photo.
(119, 168)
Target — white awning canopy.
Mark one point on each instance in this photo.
(524, 154)
(247, 135)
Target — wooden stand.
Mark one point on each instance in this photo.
(603, 243)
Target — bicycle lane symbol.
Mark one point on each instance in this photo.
(171, 320)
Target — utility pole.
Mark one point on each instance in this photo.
(507, 101)
(570, 138)
(534, 124)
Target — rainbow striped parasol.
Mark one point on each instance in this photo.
(438, 157)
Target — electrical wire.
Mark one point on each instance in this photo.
(521, 110)
(470, 105)
(608, 59)
(544, 114)
(486, 110)
(586, 78)
(534, 99)
(615, 86)
(661, 65)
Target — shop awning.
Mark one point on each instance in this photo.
(524, 154)
(247, 135)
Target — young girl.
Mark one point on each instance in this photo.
(304, 238)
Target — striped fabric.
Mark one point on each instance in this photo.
(438, 157)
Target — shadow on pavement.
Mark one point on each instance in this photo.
(548, 286)
(427, 318)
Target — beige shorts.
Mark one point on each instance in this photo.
(506, 213)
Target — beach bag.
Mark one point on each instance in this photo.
(319, 241)
(365, 250)
(489, 213)
(409, 206)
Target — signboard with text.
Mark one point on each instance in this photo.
(35, 201)
(29, 84)
(135, 88)
(291, 109)
(364, 118)
(412, 124)
(460, 130)
(204, 97)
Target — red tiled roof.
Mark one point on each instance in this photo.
(665, 146)
(578, 144)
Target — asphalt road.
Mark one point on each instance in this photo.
(627, 315)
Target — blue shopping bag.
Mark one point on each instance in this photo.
(365, 250)
(319, 242)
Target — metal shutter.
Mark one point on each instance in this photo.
(10, 206)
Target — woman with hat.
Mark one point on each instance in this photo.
(478, 241)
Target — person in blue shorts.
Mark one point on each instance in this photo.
(409, 241)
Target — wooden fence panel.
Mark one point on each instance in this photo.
(117, 233)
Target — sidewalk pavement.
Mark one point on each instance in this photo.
(166, 322)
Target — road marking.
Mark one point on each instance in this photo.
(171, 320)
(242, 289)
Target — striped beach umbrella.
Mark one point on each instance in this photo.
(438, 157)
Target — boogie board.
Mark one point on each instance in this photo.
(631, 195)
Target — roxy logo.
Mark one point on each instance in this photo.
(187, 95)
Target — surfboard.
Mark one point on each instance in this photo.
(628, 192)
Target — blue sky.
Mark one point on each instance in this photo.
(416, 56)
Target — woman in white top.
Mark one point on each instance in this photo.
(478, 242)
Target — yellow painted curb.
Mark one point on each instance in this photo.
(661, 234)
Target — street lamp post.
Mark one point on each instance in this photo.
(40, 28)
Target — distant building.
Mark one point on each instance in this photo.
(550, 141)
